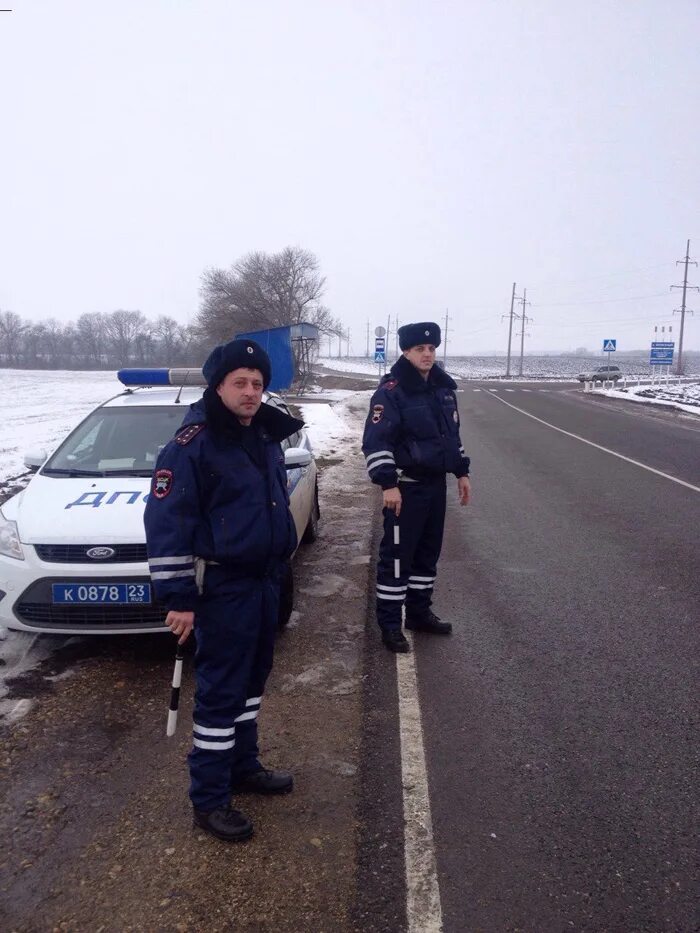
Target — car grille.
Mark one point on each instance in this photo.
(45, 615)
(77, 553)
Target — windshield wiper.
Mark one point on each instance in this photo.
(53, 471)
(127, 472)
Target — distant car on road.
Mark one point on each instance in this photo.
(601, 374)
(73, 545)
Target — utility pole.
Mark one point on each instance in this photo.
(367, 350)
(396, 338)
(511, 317)
(683, 309)
(523, 318)
(444, 343)
(347, 350)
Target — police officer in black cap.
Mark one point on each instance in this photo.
(219, 530)
(411, 441)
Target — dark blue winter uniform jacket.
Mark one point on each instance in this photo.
(219, 492)
(413, 426)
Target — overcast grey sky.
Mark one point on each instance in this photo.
(430, 154)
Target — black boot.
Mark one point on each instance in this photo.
(395, 640)
(428, 622)
(264, 781)
(224, 823)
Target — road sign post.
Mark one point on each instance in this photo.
(661, 354)
(609, 346)
(380, 349)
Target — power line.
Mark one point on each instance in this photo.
(682, 311)
(605, 275)
(523, 321)
(600, 301)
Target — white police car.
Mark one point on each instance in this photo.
(72, 543)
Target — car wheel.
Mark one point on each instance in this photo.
(311, 530)
(286, 596)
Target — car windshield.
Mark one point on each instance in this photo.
(116, 441)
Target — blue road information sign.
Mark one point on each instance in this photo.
(661, 353)
(379, 356)
(379, 344)
(609, 346)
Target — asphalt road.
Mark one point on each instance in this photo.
(561, 717)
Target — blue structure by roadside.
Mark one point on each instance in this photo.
(278, 344)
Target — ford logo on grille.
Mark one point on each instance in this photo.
(100, 553)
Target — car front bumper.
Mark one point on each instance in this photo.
(26, 602)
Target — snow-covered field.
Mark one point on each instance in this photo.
(38, 409)
(494, 367)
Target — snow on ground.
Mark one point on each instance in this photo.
(330, 432)
(38, 409)
(685, 397)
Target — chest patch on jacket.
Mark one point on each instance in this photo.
(186, 435)
(162, 483)
(377, 413)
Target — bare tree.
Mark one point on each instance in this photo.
(91, 339)
(123, 327)
(12, 329)
(263, 290)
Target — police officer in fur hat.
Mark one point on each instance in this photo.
(219, 530)
(411, 441)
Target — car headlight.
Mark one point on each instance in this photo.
(10, 545)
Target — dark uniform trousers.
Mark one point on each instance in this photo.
(421, 525)
(235, 630)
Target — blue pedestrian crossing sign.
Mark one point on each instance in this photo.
(379, 356)
(609, 346)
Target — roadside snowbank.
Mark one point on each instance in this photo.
(681, 397)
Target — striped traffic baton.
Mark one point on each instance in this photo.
(175, 692)
(397, 552)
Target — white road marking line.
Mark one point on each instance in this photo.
(510, 390)
(674, 479)
(476, 390)
(527, 390)
(493, 390)
(423, 907)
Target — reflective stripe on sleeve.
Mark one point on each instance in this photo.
(169, 574)
(379, 453)
(161, 561)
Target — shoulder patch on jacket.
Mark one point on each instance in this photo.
(187, 434)
(390, 384)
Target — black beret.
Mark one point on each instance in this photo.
(236, 354)
(410, 335)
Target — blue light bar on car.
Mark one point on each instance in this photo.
(161, 377)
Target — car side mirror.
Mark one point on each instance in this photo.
(33, 459)
(295, 457)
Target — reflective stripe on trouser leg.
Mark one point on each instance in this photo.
(233, 658)
(392, 590)
(423, 570)
(245, 756)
